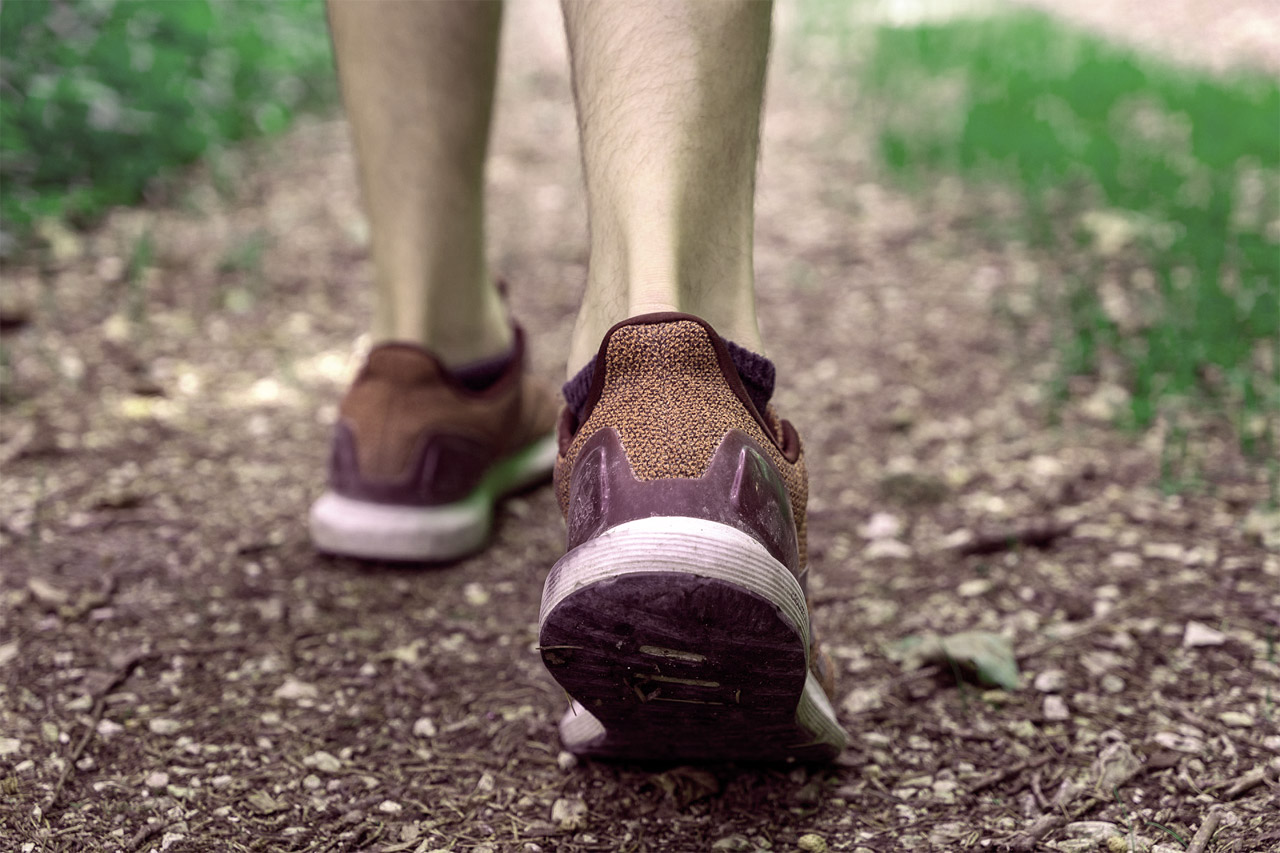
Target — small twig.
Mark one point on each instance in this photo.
(960, 734)
(108, 520)
(1045, 824)
(886, 685)
(1036, 791)
(922, 674)
(1195, 719)
(1201, 839)
(1035, 534)
(142, 836)
(15, 446)
(1013, 770)
(1067, 633)
(1246, 782)
(99, 707)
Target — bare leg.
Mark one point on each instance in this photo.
(417, 80)
(669, 96)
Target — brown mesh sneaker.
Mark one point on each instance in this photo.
(419, 459)
(677, 620)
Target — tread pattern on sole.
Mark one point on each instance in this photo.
(683, 639)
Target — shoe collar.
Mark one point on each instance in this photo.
(412, 360)
(785, 438)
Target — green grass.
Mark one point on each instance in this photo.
(1181, 167)
(102, 97)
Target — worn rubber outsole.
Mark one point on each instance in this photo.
(374, 531)
(683, 640)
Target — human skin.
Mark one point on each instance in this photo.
(669, 96)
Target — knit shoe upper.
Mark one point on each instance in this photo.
(666, 385)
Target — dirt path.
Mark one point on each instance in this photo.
(1217, 34)
(182, 672)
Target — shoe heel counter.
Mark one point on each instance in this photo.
(364, 437)
(740, 488)
(672, 393)
(382, 454)
(344, 463)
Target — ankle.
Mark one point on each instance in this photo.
(733, 322)
(461, 327)
(460, 346)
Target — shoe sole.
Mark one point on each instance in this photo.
(683, 640)
(343, 525)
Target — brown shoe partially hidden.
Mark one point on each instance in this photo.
(419, 459)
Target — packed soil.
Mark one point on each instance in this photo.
(181, 671)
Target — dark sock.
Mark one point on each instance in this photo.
(757, 372)
(576, 389)
(480, 375)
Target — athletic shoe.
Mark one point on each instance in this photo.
(420, 458)
(677, 620)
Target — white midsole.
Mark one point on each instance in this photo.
(383, 531)
(394, 532)
(679, 545)
(816, 715)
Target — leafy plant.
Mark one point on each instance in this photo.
(102, 96)
(1169, 172)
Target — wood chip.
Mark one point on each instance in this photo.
(1001, 775)
(1201, 839)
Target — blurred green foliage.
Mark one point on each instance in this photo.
(102, 96)
(1182, 165)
